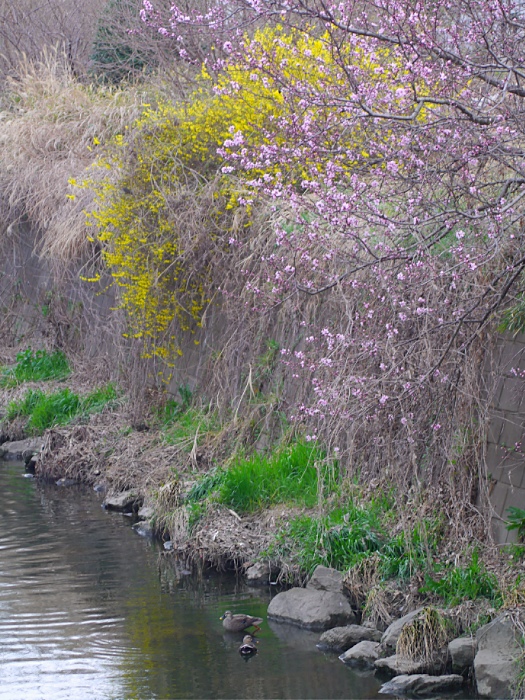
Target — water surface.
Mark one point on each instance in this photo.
(89, 609)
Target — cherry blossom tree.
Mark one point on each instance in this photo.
(395, 177)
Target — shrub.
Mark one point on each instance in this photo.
(116, 55)
(164, 201)
(513, 318)
(516, 522)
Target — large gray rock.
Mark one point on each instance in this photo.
(495, 661)
(396, 665)
(311, 608)
(462, 652)
(125, 502)
(422, 684)
(326, 579)
(392, 632)
(364, 653)
(342, 638)
(260, 573)
(146, 512)
(144, 528)
(21, 449)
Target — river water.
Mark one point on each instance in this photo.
(89, 609)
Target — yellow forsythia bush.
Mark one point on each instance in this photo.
(172, 151)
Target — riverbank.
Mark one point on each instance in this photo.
(189, 476)
(184, 464)
(424, 648)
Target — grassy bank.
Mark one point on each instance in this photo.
(287, 504)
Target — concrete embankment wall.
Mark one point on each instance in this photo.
(505, 449)
(54, 306)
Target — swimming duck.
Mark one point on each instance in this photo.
(239, 621)
(248, 647)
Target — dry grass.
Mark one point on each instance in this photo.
(47, 130)
(425, 637)
(223, 539)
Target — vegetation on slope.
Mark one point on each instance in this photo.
(268, 195)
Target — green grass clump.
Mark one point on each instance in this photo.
(407, 552)
(348, 536)
(46, 410)
(98, 399)
(189, 426)
(35, 366)
(172, 409)
(513, 318)
(470, 582)
(339, 540)
(205, 486)
(290, 475)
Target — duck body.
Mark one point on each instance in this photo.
(239, 621)
(248, 647)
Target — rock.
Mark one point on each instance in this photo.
(31, 463)
(259, 573)
(342, 638)
(22, 450)
(396, 665)
(422, 684)
(29, 455)
(125, 502)
(495, 661)
(311, 608)
(462, 652)
(371, 625)
(144, 528)
(168, 546)
(392, 632)
(146, 512)
(325, 579)
(65, 482)
(364, 653)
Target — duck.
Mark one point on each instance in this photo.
(248, 647)
(239, 621)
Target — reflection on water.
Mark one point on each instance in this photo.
(88, 609)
